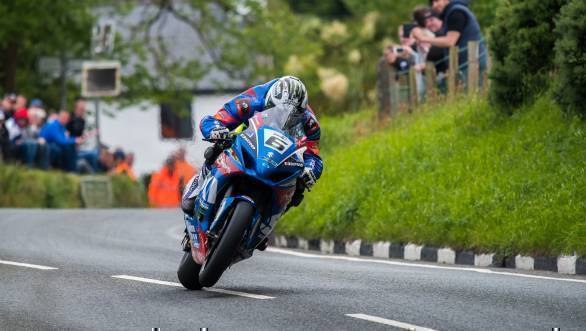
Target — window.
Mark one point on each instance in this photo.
(176, 121)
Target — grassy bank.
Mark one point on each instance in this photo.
(22, 188)
(461, 175)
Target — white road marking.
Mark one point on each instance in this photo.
(417, 265)
(217, 290)
(397, 324)
(27, 265)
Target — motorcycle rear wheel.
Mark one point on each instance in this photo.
(188, 272)
(227, 246)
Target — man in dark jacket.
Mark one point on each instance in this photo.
(460, 26)
(76, 125)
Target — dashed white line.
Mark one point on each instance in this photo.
(217, 290)
(417, 265)
(28, 265)
(397, 324)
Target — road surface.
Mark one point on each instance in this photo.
(116, 269)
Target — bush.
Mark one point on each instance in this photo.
(570, 57)
(462, 176)
(127, 193)
(24, 188)
(522, 48)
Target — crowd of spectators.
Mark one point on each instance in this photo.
(167, 184)
(428, 37)
(36, 138)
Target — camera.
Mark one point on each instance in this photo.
(398, 50)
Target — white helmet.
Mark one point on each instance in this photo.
(287, 90)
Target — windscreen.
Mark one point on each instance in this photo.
(284, 118)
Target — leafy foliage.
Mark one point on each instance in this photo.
(570, 57)
(522, 46)
(31, 29)
(463, 176)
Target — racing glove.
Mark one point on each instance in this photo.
(308, 178)
(219, 133)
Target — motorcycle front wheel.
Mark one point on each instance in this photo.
(227, 246)
(188, 272)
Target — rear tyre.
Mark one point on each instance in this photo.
(226, 248)
(188, 272)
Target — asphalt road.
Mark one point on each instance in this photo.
(290, 291)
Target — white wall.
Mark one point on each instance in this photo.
(138, 131)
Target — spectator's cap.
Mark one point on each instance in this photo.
(21, 114)
(119, 154)
(36, 103)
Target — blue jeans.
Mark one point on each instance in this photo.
(91, 157)
(31, 152)
(63, 156)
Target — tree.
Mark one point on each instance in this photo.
(570, 57)
(522, 46)
(247, 40)
(31, 29)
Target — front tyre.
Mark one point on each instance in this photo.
(188, 272)
(229, 242)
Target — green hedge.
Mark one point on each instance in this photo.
(459, 175)
(522, 48)
(23, 188)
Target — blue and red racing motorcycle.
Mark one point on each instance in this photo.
(254, 175)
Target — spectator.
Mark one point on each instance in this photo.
(421, 15)
(105, 160)
(33, 133)
(402, 58)
(21, 102)
(184, 169)
(429, 25)
(164, 190)
(25, 143)
(8, 105)
(460, 26)
(4, 139)
(76, 125)
(398, 57)
(62, 148)
(37, 110)
(406, 37)
(121, 164)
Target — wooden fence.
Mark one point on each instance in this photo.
(397, 91)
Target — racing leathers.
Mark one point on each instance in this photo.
(237, 111)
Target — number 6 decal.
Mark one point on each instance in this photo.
(277, 141)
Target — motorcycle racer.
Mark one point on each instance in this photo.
(286, 91)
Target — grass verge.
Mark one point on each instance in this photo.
(463, 176)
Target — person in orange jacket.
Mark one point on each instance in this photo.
(184, 169)
(123, 164)
(164, 190)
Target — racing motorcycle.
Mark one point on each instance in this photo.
(254, 174)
